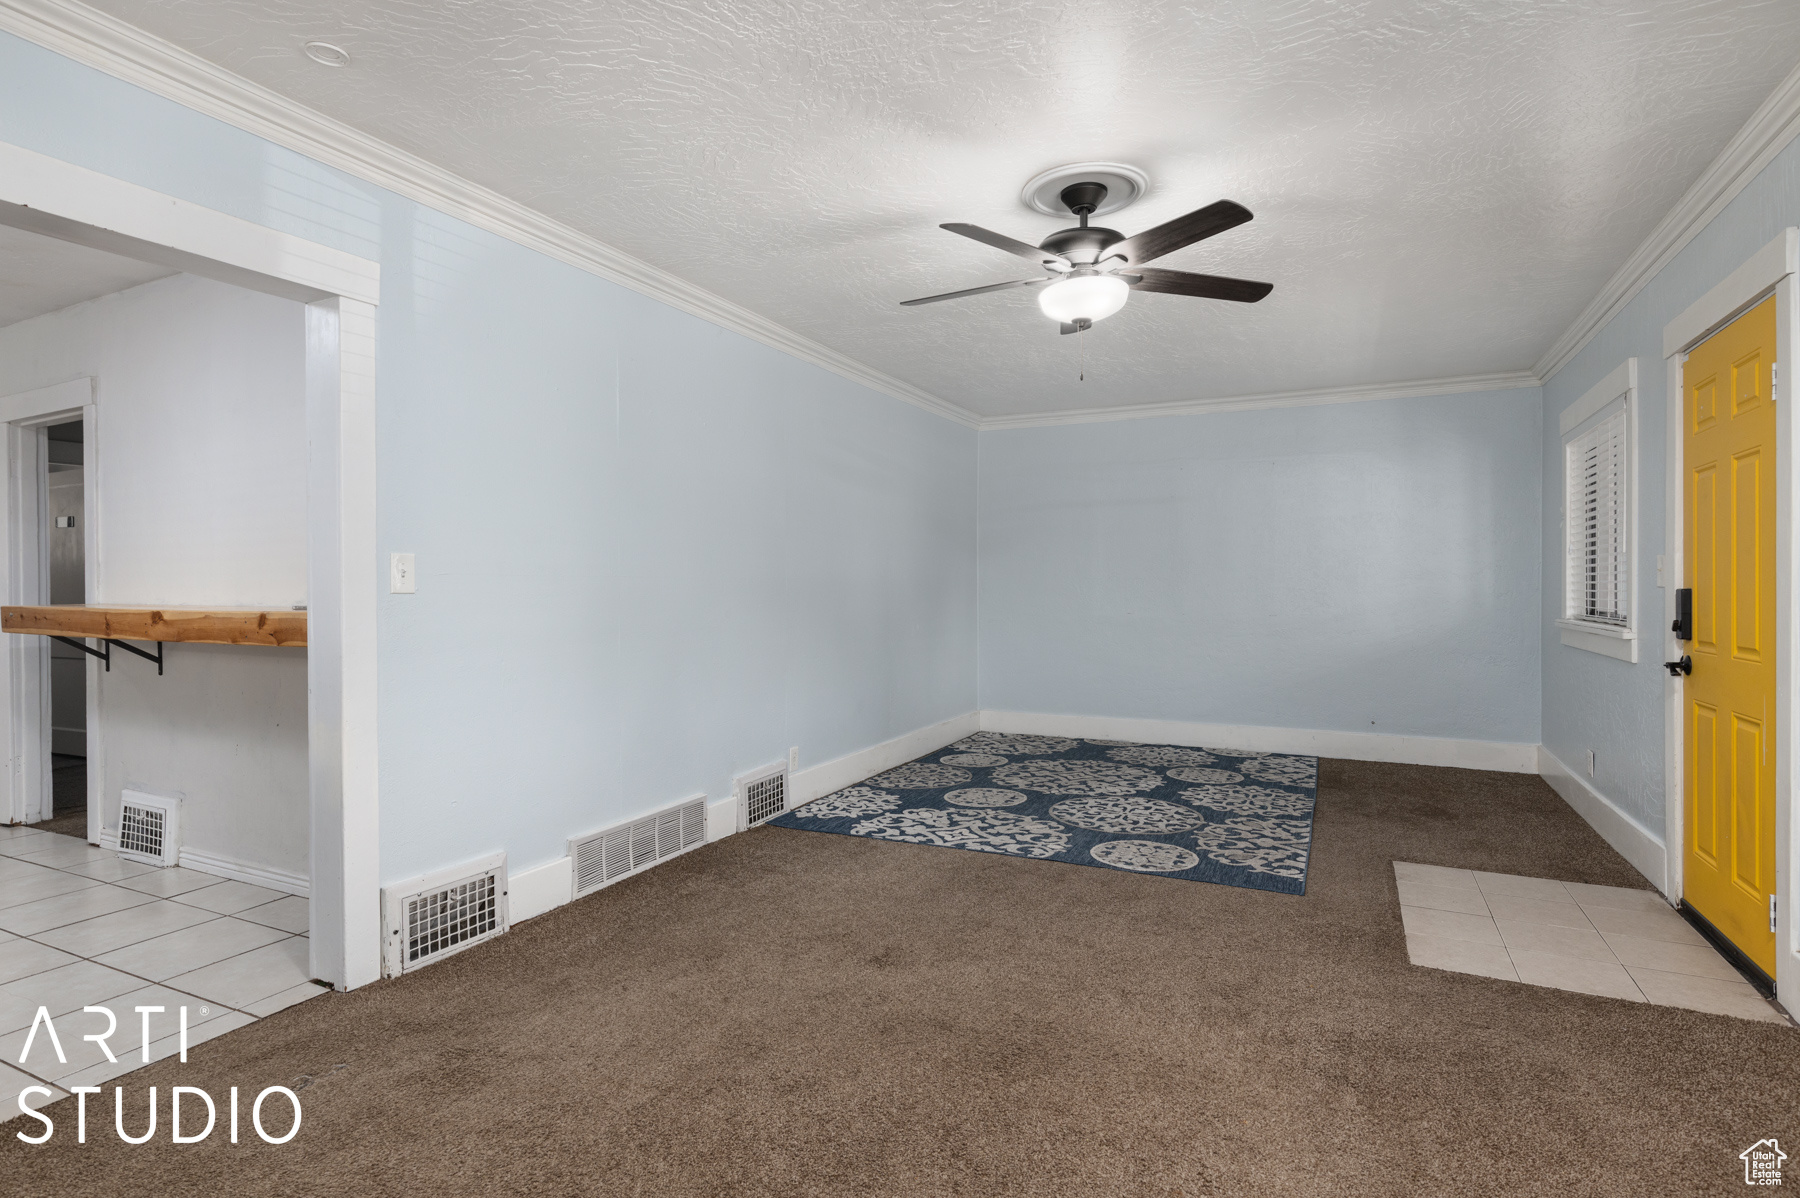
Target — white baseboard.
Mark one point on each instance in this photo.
(816, 780)
(265, 876)
(1505, 756)
(548, 886)
(531, 892)
(1634, 842)
(721, 818)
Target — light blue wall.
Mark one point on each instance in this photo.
(651, 553)
(1593, 702)
(1363, 567)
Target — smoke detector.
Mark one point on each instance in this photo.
(326, 54)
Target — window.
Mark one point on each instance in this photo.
(1598, 518)
(1598, 571)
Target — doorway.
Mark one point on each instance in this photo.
(340, 290)
(1729, 720)
(65, 544)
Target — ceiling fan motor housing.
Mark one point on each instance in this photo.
(1082, 246)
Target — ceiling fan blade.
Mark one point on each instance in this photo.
(1001, 241)
(1170, 236)
(932, 299)
(1181, 282)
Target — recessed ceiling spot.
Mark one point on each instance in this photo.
(1123, 184)
(327, 54)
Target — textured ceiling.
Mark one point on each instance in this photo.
(40, 274)
(1439, 187)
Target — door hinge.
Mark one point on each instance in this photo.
(1771, 913)
(1774, 380)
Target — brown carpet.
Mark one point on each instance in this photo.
(789, 1013)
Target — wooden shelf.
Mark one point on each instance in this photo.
(203, 625)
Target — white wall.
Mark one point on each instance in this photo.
(199, 457)
(1361, 568)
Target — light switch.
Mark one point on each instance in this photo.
(400, 574)
(65, 522)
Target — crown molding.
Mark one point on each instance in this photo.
(105, 43)
(1461, 384)
(1768, 131)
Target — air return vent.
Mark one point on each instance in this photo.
(762, 794)
(149, 827)
(432, 917)
(602, 858)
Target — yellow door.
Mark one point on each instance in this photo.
(1730, 696)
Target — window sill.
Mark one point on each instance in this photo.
(1606, 640)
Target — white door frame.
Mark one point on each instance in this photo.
(26, 660)
(1772, 270)
(340, 290)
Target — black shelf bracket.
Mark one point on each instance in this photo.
(104, 653)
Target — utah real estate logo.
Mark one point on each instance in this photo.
(1762, 1163)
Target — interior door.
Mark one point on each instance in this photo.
(1729, 451)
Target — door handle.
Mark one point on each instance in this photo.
(1678, 668)
(1683, 627)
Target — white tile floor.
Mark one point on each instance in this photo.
(81, 926)
(1605, 940)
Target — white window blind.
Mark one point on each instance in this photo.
(1598, 569)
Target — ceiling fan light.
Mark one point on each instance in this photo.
(1083, 297)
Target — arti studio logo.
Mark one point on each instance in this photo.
(199, 1100)
(1762, 1163)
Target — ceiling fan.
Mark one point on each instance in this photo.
(1091, 271)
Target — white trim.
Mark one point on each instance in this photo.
(545, 887)
(1608, 642)
(1507, 756)
(25, 692)
(1458, 385)
(815, 780)
(1741, 290)
(1634, 842)
(219, 865)
(722, 816)
(58, 199)
(1619, 386)
(101, 41)
(1768, 131)
(539, 889)
(1771, 268)
(1620, 380)
(342, 747)
(40, 402)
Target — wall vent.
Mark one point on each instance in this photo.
(762, 795)
(436, 916)
(602, 858)
(149, 828)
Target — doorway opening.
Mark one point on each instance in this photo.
(66, 550)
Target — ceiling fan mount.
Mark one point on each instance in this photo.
(1090, 271)
(1085, 244)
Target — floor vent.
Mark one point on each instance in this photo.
(149, 827)
(433, 917)
(762, 795)
(602, 858)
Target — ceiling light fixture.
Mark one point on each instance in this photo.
(1089, 272)
(326, 54)
(1081, 298)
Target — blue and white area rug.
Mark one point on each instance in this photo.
(1203, 815)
